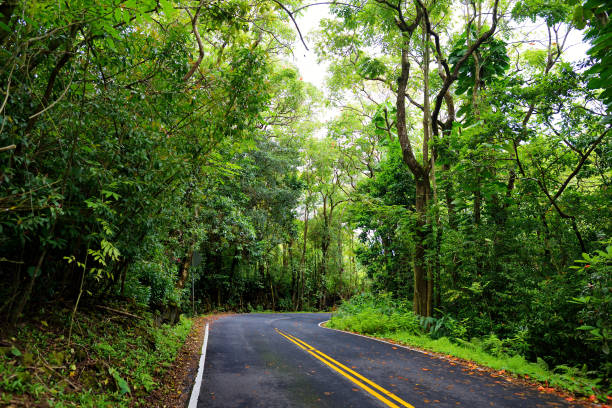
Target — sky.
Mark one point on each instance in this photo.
(306, 60)
(315, 72)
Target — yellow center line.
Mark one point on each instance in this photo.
(373, 384)
(359, 383)
(344, 370)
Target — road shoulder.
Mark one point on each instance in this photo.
(470, 365)
(175, 386)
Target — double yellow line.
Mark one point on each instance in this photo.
(374, 389)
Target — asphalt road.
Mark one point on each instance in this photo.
(286, 360)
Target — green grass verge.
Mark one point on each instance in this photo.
(112, 360)
(566, 378)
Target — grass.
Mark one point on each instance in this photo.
(111, 361)
(567, 378)
(385, 319)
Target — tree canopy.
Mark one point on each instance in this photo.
(168, 152)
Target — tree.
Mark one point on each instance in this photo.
(119, 114)
(401, 25)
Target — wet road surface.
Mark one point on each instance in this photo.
(287, 360)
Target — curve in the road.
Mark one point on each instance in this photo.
(286, 360)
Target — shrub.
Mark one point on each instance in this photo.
(372, 314)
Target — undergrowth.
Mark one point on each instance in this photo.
(383, 317)
(112, 360)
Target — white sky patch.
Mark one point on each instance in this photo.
(306, 60)
(534, 36)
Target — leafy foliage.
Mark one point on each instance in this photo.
(110, 362)
(600, 35)
(478, 205)
(167, 152)
(386, 318)
(493, 62)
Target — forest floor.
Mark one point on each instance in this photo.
(116, 357)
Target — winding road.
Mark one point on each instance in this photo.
(288, 360)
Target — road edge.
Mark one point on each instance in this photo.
(575, 399)
(382, 341)
(195, 392)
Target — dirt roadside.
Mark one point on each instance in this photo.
(179, 378)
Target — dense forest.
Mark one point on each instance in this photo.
(169, 153)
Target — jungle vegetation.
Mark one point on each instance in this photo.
(168, 153)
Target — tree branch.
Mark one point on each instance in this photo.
(452, 76)
(294, 22)
(321, 3)
(580, 164)
(194, 24)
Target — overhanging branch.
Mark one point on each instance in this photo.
(294, 22)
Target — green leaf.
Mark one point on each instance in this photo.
(111, 44)
(595, 332)
(578, 18)
(110, 30)
(594, 3)
(108, 194)
(32, 270)
(15, 351)
(123, 386)
(167, 8)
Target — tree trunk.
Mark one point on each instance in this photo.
(477, 206)
(340, 263)
(422, 299)
(303, 259)
(123, 275)
(423, 282)
(325, 243)
(324, 255)
(28, 291)
(184, 271)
